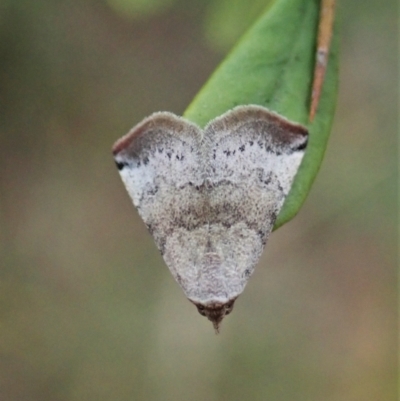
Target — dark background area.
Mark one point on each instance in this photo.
(89, 311)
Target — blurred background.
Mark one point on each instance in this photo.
(89, 311)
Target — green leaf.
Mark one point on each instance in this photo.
(226, 20)
(272, 66)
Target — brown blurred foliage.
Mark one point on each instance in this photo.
(88, 309)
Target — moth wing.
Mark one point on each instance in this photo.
(254, 155)
(158, 161)
(253, 138)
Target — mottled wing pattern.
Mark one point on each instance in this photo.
(210, 199)
(159, 163)
(253, 156)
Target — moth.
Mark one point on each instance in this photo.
(210, 197)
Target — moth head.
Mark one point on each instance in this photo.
(215, 311)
